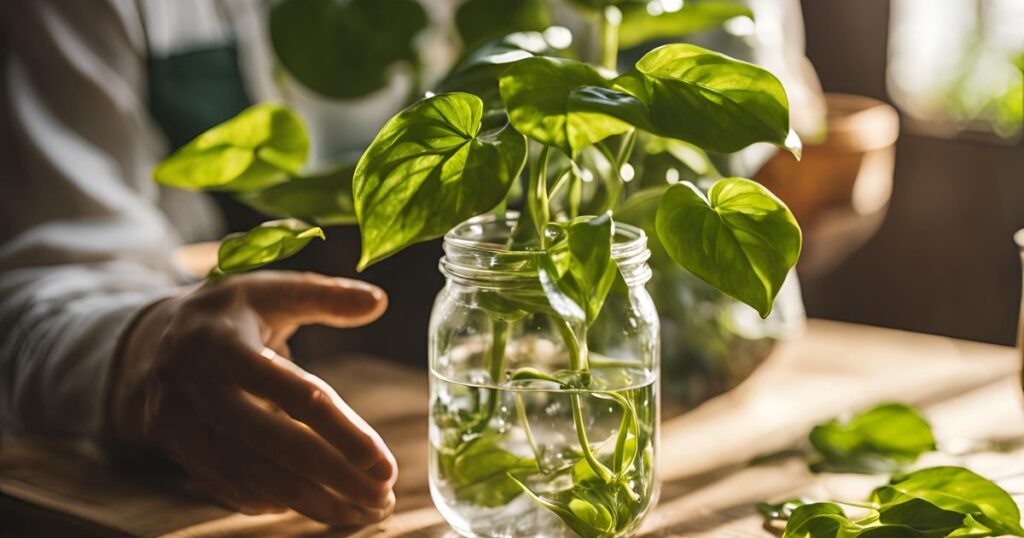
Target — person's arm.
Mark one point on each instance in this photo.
(97, 336)
(84, 244)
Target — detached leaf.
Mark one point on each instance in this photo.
(430, 168)
(257, 148)
(324, 198)
(344, 49)
(740, 239)
(816, 520)
(266, 243)
(478, 20)
(920, 515)
(959, 490)
(578, 273)
(538, 93)
(881, 439)
(639, 26)
(712, 100)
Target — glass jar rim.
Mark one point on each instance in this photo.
(472, 257)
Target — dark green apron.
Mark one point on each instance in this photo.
(193, 91)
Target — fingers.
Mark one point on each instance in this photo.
(288, 489)
(286, 297)
(279, 438)
(191, 444)
(309, 400)
(245, 480)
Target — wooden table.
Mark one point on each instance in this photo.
(970, 392)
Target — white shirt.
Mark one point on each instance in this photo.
(87, 236)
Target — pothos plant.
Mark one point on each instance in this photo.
(516, 124)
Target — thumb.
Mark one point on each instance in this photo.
(293, 298)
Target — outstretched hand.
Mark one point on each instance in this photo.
(204, 378)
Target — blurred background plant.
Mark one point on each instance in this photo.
(956, 65)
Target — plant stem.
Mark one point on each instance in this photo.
(578, 361)
(611, 18)
(560, 181)
(577, 357)
(614, 183)
(495, 363)
(537, 193)
(581, 433)
(575, 195)
(521, 412)
(626, 149)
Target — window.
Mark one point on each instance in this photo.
(958, 64)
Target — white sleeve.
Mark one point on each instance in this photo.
(84, 243)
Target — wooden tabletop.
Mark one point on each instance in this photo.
(971, 393)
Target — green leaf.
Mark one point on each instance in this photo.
(324, 198)
(344, 49)
(922, 516)
(586, 102)
(881, 439)
(740, 239)
(639, 26)
(959, 490)
(595, 515)
(712, 100)
(259, 147)
(266, 243)
(481, 472)
(579, 512)
(816, 520)
(430, 168)
(478, 20)
(578, 272)
(538, 95)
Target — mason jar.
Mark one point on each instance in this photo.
(522, 442)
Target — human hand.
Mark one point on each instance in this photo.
(203, 379)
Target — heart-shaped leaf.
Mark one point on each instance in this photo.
(266, 243)
(816, 520)
(344, 49)
(740, 238)
(881, 439)
(578, 272)
(712, 100)
(430, 168)
(959, 490)
(259, 147)
(538, 94)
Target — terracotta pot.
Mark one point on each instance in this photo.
(840, 189)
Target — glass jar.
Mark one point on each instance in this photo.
(524, 440)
